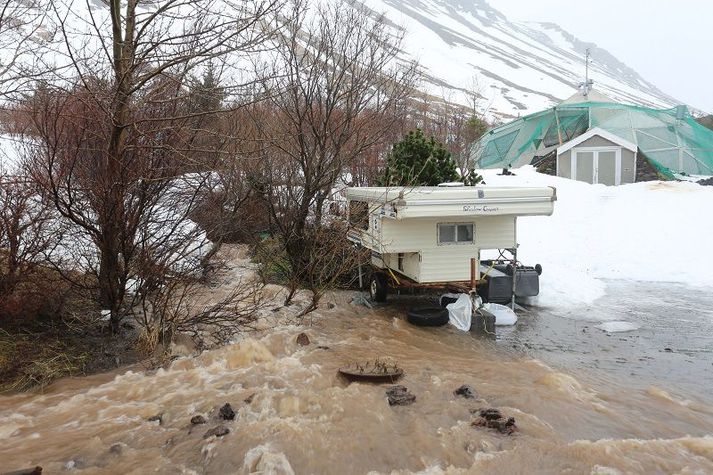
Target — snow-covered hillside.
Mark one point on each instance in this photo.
(463, 46)
(518, 68)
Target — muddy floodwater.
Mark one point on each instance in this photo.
(584, 400)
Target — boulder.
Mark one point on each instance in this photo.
(494, 419)
(303, 339)
(465, 391)
(195, 420)
(218, 431)
(226, 412)
(400, 396)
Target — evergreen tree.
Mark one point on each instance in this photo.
(475, 128)
(206, 92)
(417, 161)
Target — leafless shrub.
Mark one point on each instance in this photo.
(181, 306)
(27, 237)
(332, 261)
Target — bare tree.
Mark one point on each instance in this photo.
(336, 94)
(115, 136)
(23, 29)
(26, 234)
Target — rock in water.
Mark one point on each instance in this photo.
(466, 391)
(116, 449)
(195, 420)
(303, 339)
(249, 399)
(218, 431)
(400, 396)
(493, 419)
(490, 414)
(226, 412)
(157, 417)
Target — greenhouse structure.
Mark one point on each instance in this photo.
(668, 141)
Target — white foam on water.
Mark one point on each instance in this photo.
(264, 459)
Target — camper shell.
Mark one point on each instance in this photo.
(431, 236)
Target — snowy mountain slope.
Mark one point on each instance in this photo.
(463, 47)
(517, 68)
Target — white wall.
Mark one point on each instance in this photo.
(440, 263)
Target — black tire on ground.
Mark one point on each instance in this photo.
(447, 300)
(428, 316)
(378, 287)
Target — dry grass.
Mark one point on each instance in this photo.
(29, 360)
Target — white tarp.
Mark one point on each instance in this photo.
(503, 315)
(460, 312)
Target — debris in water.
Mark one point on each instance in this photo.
(330, 305)
(466, 391)
(668, 350)
(116, 449)
(372, 370)
(400, 396)
(75, 463)
(27, 471)
(157, 417)
(226, 412)
(494, 419)
(490, 414)
(263, 459)
(249, 399)
(322, 347)
(195, 420)
(218, 431)
(303, 339)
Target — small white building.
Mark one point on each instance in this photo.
(598, 156)
(430, 234)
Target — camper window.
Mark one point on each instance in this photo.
(455, 233)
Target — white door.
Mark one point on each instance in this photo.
(597, 165)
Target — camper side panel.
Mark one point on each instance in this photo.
(442, 262)
(406, 263)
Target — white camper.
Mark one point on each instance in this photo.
(428, 236)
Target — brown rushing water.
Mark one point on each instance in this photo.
(306, 419)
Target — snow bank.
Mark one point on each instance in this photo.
(649, 231)
(10, 147)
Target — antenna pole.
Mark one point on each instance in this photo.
(586, 73)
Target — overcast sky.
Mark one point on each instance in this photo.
(668, 42)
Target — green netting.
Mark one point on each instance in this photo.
(670, 138)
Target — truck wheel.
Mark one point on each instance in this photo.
(378, 287)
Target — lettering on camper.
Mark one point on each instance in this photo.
(480, 209)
